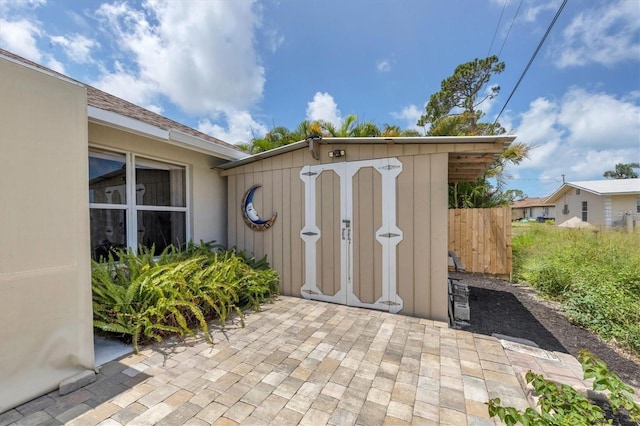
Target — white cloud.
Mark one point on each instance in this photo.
(200, 55)
(539, 122)
(54, 64)
(77, 47)
(531, 13)
(581, 135)
(383, 65)
(126, 85)
(605, 35)
(273, 40)
(5, 4)
(323, 107)
(20, 37)
(410, 115)
(241, 127)
(597, 119)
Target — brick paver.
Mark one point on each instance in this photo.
(310, 363)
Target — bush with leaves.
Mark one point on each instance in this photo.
(146, 297)
(563, 405)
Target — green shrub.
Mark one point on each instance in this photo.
(563, 405)
(595, 274)
(147, 298)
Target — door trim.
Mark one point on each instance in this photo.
(388, 235)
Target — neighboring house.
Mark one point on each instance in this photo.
(606, 203)
(361, 221)
(532, 208)
(83, 171)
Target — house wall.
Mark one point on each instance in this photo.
(621, 204)
(595, 207)
(518, 213)
(421, 215)
(46, 332)
(207, 190)
(532, 212)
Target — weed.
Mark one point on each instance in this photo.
(563, 405)
(596, 276)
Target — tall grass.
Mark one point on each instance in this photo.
(147, 298)
(594, 274)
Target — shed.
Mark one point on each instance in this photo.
(356, 221)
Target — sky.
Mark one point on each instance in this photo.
(235, 69)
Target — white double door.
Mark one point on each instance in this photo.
(350, 233)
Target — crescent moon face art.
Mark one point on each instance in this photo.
(251, 216)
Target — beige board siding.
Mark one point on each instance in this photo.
(481, 238)
(421, 215)
(46, 332)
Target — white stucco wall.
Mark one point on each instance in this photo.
(621, 204)
(598, 207)
(46, 332)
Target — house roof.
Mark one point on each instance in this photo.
(600, 187)
(530, 202)
(472, 156)
(110, 110)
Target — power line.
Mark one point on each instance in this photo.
(504, 6)
(510, 27)
(555, 18)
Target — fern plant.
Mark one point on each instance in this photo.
(148, 297)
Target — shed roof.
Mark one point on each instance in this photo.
(469, 156)
(600, 187)
(113, 111)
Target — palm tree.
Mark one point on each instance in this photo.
(622, 171)
(391, 130)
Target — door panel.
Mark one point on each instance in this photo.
(367, 251)
(350, 233)
(328, 246)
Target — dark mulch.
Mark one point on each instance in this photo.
(514, 310)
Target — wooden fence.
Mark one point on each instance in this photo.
(481, 238)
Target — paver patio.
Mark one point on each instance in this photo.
(309, 363)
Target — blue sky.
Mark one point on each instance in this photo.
(237, 68)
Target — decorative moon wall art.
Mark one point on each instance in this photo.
(251, 216)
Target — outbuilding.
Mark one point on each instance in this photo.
(356, 221)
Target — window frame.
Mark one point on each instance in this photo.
(585, 211)
(131, 207)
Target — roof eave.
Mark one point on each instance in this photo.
(505, 140)
(171, 136)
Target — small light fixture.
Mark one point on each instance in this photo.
(337, 153)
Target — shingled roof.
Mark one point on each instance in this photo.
(107, 102)
(530, 202)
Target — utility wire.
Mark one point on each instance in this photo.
(555, 18)
(510, 27)
(497, 26)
